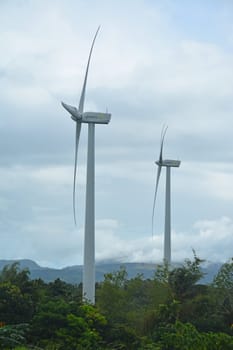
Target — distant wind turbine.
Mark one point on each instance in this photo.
(168, 163)
(91, 118)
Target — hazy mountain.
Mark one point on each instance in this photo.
(73, 274)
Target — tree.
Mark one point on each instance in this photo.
(223, 290)
(83, 331)
(50, 316)
(12, 335)
(13, 274)
(15, 307)
(224, 277)
(111, 296)
(61, 289)
(182, 280)
(68, 325)
(186, 337)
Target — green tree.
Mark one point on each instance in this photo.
(224, 277)
(20, 278)
(182, 280)
(223, 291)
(67, 325)
(111, 296)
(184, 336)
(83, 331)
(15, 307)
(162, 273)
(50, 316)
(12, 335)
(61, 289)
(16, 303)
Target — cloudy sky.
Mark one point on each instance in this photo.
(154, 63)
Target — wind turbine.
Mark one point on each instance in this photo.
(168, 163)
(91, 118)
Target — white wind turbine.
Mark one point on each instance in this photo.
(91, 118)
(168, 163)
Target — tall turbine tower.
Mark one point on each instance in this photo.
(91, 118)
(168, 163)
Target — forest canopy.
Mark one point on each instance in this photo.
(172, 310)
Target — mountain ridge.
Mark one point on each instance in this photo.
(73, 274)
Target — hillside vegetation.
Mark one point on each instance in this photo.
(170, 311)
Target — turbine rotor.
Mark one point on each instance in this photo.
(77, 115)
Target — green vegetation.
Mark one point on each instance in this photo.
(170, 311)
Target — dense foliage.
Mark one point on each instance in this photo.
(170, 311)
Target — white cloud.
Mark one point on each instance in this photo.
(212, 240)
(49, 176)
(28, 96)
(51, 241)
(58, 175)
(210, 180)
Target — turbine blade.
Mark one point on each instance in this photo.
(155, 195)
(82, 98)
(164, 130)
(72, 110)
(77, 136)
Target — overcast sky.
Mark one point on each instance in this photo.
(154, 63)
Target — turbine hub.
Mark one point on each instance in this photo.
(74, 112)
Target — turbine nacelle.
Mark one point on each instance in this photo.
(87, 117)
(96, 117)
(168, 163)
